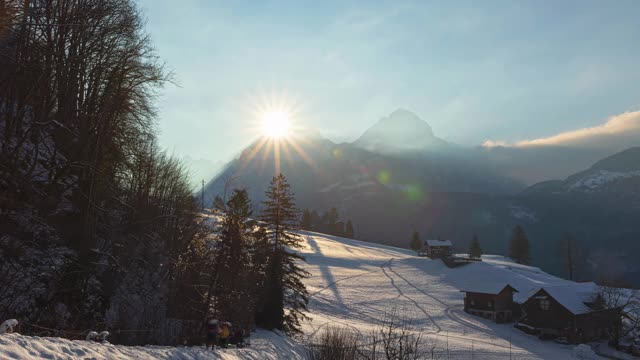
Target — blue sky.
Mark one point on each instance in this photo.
(474, 70)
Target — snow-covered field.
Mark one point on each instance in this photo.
(354, 284)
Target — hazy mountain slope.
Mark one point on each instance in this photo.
(452, 192)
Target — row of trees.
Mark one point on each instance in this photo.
(519, 249)
(248, 273)
(98, 226)
(93, 214)
(328, 223)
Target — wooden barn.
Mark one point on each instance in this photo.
(436, 249)
(565, 311)
(492, 301)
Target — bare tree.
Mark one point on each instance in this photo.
(625, 304)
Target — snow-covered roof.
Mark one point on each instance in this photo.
(573, 298)
(439, 243)
(486, 287)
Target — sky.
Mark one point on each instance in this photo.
(492, 72)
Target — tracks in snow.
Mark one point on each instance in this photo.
(393, 283)
(448, 312)
(349, 278)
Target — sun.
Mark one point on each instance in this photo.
(276, 124)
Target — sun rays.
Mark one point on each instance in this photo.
(277, 121)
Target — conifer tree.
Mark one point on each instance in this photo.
(306, 220)
(416, 244)
(234, 292)
(475, 251)
(519, 246)
(348, 232)
(285, 296)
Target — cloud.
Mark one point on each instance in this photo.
(618, 131)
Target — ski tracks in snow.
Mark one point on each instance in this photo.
(448, 311)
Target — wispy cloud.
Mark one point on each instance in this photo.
(618, 131)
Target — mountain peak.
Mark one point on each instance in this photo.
(400, 131)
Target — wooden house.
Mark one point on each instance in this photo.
(567, 311)
(436, 249)
(492, 301)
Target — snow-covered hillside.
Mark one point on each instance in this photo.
(353, 284)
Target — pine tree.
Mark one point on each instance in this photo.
(306, 220)
(234, 292)
(519, 246)
(475, 251)
(416, 244)
(348, 232)
(285, 296)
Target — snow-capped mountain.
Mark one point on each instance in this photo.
(399, 132)
(619, 173)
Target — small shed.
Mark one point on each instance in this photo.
(436, 249)
(567, 311)
(490, 300)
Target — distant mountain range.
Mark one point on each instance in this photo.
(399, 177)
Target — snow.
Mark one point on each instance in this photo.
(8, 326)
(583, 351)
(573, 298)
(264, 345)
(600, 178)
(354, 284)
(439, 243)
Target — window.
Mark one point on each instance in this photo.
(472, 302)
(545, 304)
(490, 304)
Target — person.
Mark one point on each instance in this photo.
(225, 333)
(212, 333)
(237, 337)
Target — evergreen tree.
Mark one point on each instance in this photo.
(285, 296)
(306, 220)
(348, 232)
(233, 295)
(330, 221)
(475, 251)
(416, 244)
(519, 246)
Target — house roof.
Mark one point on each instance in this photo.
(487, 287)
(572, 298)
(438, 243)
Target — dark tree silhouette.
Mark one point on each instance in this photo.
(416, 243)
(519, 246)
(475, 251)
(348, 232)
(285, 296)
(306, 223)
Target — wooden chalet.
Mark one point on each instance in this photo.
(492, 301)
(436, 249)
(569, 312)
